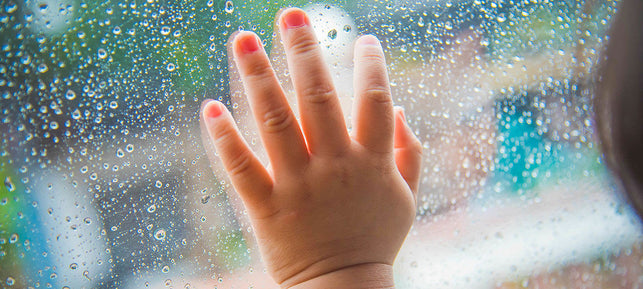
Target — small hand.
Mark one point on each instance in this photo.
(332, 209)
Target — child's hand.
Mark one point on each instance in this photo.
(332, 210)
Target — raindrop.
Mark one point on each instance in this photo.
(102, 54)
(158, 184)
(165, 30)
(116, 30)
(70, 94)
(229, 7)
(152, 208)
(347, 28)
(501, 18)
(11, 7)
(42, 68)
(171, 67)
(10, 281)
(113, 104)
(43, 8)
(129, 148)
(26, 60)
(166, 269)
(13, 238)
(9, 184)
(73, 266)
(87, 220)
(120, 153)
(332, 34)
(205, 199)
(53, 125)
(75, 114)
(159, 234)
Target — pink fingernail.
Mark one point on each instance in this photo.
(213, 109)
(248, 42)
(294, 18)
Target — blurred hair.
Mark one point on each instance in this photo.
(619, 100)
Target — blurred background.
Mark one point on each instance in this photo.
(106, 181)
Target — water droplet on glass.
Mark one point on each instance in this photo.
(158, 184)
(70, 94)
(9, 184)
(332, 34)
(116, 30)
(501, 18)
(10, 281)
(165, 30)
(129, 148)
(171, 67)
(13, 238)
(11, 7)
(152, 208)
(42, 68)
(159, 234)
(43, 8)
(347, 28)
(73, 266)
(75, 114)
(113, 104)
(120, 153)
(205, 199)
(102, 54)
(229, 7)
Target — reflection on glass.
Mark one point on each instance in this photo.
(106, 183)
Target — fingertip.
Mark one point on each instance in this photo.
(246, 42)
(213, 109)
(293, 18)
(368, 40)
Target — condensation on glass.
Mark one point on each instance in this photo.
(106, 181)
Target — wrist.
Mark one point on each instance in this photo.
(368, 275)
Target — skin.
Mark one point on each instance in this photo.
(333, 208)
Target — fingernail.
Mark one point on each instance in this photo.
(294, 18)
(248, 42)
(213, 109)
(369, 40)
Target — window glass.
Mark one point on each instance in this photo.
(107, 183)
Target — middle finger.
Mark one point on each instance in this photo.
(321, 114)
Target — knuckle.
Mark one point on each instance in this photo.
(320, 94)
(236, 160)
(239, 165)
(373, 58)
(378, 95)
(277, 120)
(304, 45)
(257, 69)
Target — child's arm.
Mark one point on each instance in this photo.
(333, 209)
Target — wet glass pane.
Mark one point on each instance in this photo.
(106, 181)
